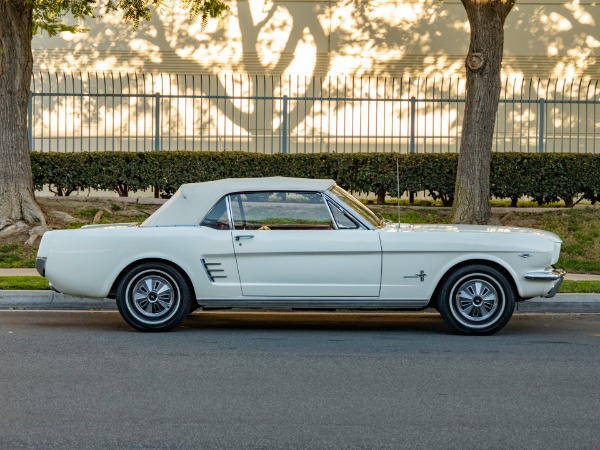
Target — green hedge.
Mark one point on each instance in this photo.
(543, 177)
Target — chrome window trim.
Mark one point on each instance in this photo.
(327, 197)
(228, 208)
(336, 201)
(333, 221)
(229, 212)
(342, 211)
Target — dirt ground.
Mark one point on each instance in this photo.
(65, 212)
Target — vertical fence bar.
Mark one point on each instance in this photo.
(413, 114)
(157, 121)
(284, 125)
(594, 105)
(541, 126)
(30, 121)
(340, 122)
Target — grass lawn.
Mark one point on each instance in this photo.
(15, 255)
(27, 283)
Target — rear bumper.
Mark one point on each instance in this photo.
(40, 266)
(556, 275)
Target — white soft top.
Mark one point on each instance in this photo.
(193, 201)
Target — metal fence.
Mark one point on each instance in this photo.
(143, 112)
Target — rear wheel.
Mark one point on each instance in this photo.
(154, 297)
(476, 299)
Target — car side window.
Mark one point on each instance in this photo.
(217, 218)
(278, 210)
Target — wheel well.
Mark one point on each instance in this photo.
(115, 286)
(481, 262)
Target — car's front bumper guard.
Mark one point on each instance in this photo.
(557, 275)
(40, 266)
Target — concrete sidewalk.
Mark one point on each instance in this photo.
(48, 300)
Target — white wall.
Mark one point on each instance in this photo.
(544, 39)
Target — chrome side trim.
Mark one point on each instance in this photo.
(210, 272)
(40, 266)
(313, 303)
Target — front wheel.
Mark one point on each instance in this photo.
(154, 297)
(476, 299)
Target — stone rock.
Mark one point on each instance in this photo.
(98, 216)
(65, 217)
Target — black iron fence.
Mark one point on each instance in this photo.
(144, 112)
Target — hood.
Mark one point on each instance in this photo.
(495, 229)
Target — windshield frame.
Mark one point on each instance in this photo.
(367, 218)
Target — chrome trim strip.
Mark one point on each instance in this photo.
(336, 201)
(210, 273)
(229, 212)
(545, 276)
(313, 303)
(328, 205)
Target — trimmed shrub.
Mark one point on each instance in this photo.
(543, 177)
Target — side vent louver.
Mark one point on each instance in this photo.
(212, 270)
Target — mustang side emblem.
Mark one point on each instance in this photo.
(420, 275)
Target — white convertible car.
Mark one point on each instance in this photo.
(298, 244)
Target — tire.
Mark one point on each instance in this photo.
(476, 299)
(154, 297)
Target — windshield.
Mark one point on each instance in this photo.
(365, 213)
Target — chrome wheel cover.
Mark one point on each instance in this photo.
(477, 301)
(153, 297)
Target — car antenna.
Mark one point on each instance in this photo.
(398, 189)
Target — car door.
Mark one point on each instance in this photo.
(287, 244)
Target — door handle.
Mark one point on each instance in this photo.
(244, 236)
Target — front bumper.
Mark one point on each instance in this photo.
(556, 275)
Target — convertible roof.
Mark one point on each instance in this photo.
(193, 201)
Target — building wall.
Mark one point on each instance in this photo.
(428, 38)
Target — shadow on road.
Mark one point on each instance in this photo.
(347, 321)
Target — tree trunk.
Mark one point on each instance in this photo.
(17, 201)
(483, 66)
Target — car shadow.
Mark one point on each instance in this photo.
(426, 322)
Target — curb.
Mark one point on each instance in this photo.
(52, 301)
(48, 300)
(562, 303)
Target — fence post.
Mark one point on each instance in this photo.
(413, 115)
(157, 121)
(29, 121)
(541, 128)
(284, 125)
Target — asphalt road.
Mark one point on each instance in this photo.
(86, 380)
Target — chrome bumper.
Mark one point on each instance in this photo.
(557, 275)
(40, 266)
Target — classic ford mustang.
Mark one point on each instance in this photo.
(298, 244)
